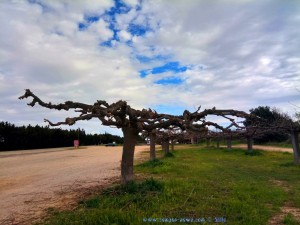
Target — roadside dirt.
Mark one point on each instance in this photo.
(33, 181)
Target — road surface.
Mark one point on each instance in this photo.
(31, 181)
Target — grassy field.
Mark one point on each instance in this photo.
(286, 144)
(206, 185)
(280, 144)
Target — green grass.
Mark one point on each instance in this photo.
(285, 144)
(197, 183)
(279, 144)
(289, 219)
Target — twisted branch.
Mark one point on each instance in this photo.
(120, 114)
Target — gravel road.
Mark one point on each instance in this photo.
(34, 180)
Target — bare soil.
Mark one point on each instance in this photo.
(33, 181)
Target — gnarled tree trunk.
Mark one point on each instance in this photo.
(167, 147)
(218, 142)
(172, 145)
(249, 144)
(130, 137)
(163, 147)
(192, 140)
(207, 142)
(295, 142)
(152, 146)
(229, 145)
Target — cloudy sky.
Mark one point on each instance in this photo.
(160, 54)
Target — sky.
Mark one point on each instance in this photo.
(159, 54)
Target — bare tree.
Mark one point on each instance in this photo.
(119, 115)
(133, 121)
(151, 136)
(152, 145)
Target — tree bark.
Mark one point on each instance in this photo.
(229, 146)
(152, 146)
(172, 145)
(167, 147)
(218, 142)
(130, 137)
(249, 144)
(163, 146)
(295, 143)
(207, 142)
(192, 140)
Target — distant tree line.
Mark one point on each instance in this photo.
(33, 137)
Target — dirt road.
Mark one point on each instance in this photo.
(34, 180)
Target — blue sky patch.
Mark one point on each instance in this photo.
(168, 67)
(106, 43)
(92, 19)
(144, 73)
(169, 80)
(143, 59)
(129, 43)
(110, 17)
(171, 66)
(146, 59)
(82, 26)
(119, 8)
(138, 30)
(87, 21)
(169, 109)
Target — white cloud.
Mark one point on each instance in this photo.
(240, 54)
(124, 35)
(100, 29)
(132, 3)
(77, 6)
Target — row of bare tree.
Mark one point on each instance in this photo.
(247, 134)
(163, 126)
